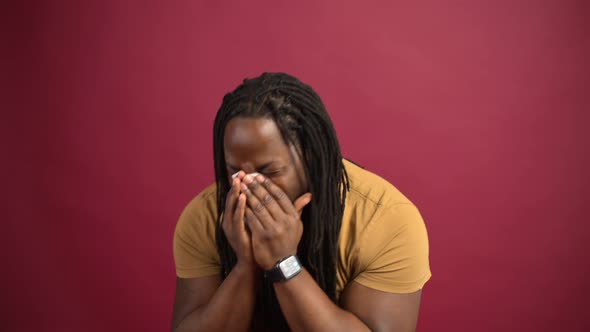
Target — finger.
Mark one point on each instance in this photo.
(240, 175)
(238, 217)
(280, 197)
(301, 202)
(253, 222)
(263, 195)
(257, 207)
(230, 199)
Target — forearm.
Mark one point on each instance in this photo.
(307, 308)
(231, 307)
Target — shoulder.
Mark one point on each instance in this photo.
(382, 229)
(369, 188)
(194, 245)
(206, 199)
(375, 209)
(375, 204)
(199, 215)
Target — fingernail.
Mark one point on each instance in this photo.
(244, 187)
(248, 179)
(260, 178)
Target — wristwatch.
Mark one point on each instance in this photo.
(285, 269)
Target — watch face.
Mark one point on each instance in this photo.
(289, 267)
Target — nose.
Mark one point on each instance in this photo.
(248, 167)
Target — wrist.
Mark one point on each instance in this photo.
(246, 268)
(276, 259)
(286, 269)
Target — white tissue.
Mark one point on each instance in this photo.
(238, 172)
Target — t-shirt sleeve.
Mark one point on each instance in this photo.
(195, 251)
(393, 256)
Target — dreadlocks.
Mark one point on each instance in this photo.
(304, 123)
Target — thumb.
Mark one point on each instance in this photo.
(301, 202)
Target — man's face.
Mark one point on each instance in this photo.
(256, 145)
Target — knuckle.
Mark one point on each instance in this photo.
(267, 183)
(254, 185)
(280, 229)
(292, 222)
(273, 232)
(280, 195)
(287, 223)
(258, 207)
(267, 199)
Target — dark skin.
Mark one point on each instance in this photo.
(272, 204)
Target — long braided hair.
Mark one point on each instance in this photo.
(304, 123)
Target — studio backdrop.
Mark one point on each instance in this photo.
(476, 110)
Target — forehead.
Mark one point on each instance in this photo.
(253, 140)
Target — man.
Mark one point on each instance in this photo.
(292, 236)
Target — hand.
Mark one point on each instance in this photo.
(233, 223)
(273, 220)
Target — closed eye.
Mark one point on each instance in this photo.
(272, 173)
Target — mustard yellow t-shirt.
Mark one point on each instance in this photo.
(383, 242)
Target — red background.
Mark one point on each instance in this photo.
(477, 110)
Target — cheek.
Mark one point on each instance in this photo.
(290, 184)
(286, 186)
